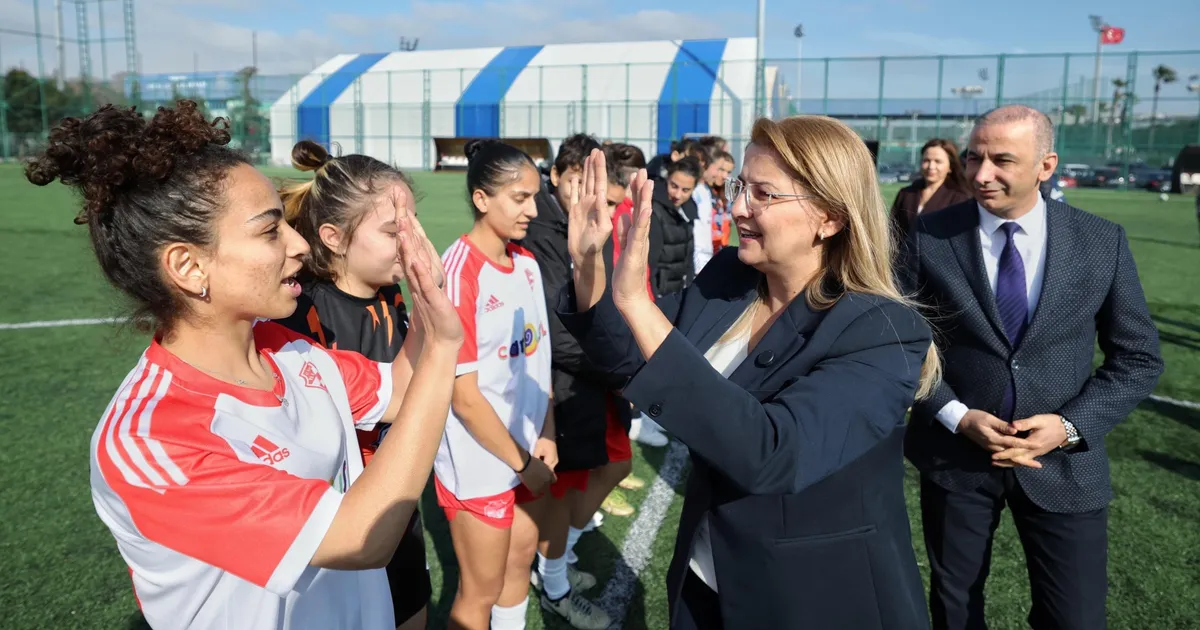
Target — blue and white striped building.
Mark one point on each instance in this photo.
(392, 105)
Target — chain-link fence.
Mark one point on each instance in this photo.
(1139, 108)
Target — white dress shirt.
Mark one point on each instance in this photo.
(725, 358)
(702, 249)
(1030, 240)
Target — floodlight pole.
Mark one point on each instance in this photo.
(760, 95)
(1099, 26)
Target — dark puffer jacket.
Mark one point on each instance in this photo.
(671, 244)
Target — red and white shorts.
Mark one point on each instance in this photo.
(497, 510)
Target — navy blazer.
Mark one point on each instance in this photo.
(797, 456)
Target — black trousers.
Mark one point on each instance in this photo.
(698, 608)
(1066, 556)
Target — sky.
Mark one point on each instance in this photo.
(296, 35)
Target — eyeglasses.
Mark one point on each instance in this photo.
(735, 187)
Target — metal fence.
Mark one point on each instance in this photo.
(1140, 107)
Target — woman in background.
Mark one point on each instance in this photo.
(351, 301)
(943, 183)
(722, 218)
(497, 457)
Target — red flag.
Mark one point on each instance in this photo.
(1112, 35)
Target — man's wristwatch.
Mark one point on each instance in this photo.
(1072, 435)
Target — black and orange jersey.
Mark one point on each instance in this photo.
(374, 327)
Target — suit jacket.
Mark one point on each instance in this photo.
(581, 390)
(908, 200)
(797, 456)
(1090, 293)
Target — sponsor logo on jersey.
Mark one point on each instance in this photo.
(311, 376)
(526, 345)
(267, 451)
(493, 303)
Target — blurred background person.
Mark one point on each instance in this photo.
(942, 184)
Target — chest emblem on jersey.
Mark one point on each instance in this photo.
(493, 303)
(526, 345)
(529, 277)
(267, 451)
(311, 376)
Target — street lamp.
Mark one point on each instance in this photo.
(799, 33)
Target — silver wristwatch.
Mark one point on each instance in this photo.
(1072, 435)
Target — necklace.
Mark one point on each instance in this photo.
(243, 382)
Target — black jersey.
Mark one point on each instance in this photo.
(374, 327)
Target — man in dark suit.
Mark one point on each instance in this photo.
(1021, 289)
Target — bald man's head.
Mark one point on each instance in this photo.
(1010, 153)
(1043, 128)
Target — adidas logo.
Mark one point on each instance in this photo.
(493, 303)
(266, 450)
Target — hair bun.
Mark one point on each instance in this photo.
(474, 147)
(114, 148)
(309, 156)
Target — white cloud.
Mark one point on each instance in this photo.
(172, 33)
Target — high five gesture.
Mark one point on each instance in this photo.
(629, 274)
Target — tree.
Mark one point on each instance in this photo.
(1077, 112)
(23, 94)
(250, 127)
(1162, 74)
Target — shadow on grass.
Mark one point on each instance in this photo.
(1177, 465)
(1175, 322)
(1179, 340)
(1182, 415)
(598, 556)
(1159, 241)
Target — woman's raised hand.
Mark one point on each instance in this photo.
(629, 276)
(432, 311)
(589, 219)
(406, 219)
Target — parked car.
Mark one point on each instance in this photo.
(1103, 177)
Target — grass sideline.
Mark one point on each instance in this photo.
(60, 564)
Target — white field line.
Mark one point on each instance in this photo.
(639, 541)
(62, 323)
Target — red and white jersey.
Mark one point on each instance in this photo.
(219, 495)
(507, 342)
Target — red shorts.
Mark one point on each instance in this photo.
(497, 510)
(616, 438)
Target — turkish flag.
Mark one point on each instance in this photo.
(1112, 35)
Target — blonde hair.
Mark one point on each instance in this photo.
(827, 159)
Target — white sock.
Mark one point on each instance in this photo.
(554, 576)
(511, 618)
(572, 538)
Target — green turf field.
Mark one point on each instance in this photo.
(61, 568)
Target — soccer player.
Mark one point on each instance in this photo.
(497, 458)
(226, 465)
(351, 302)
